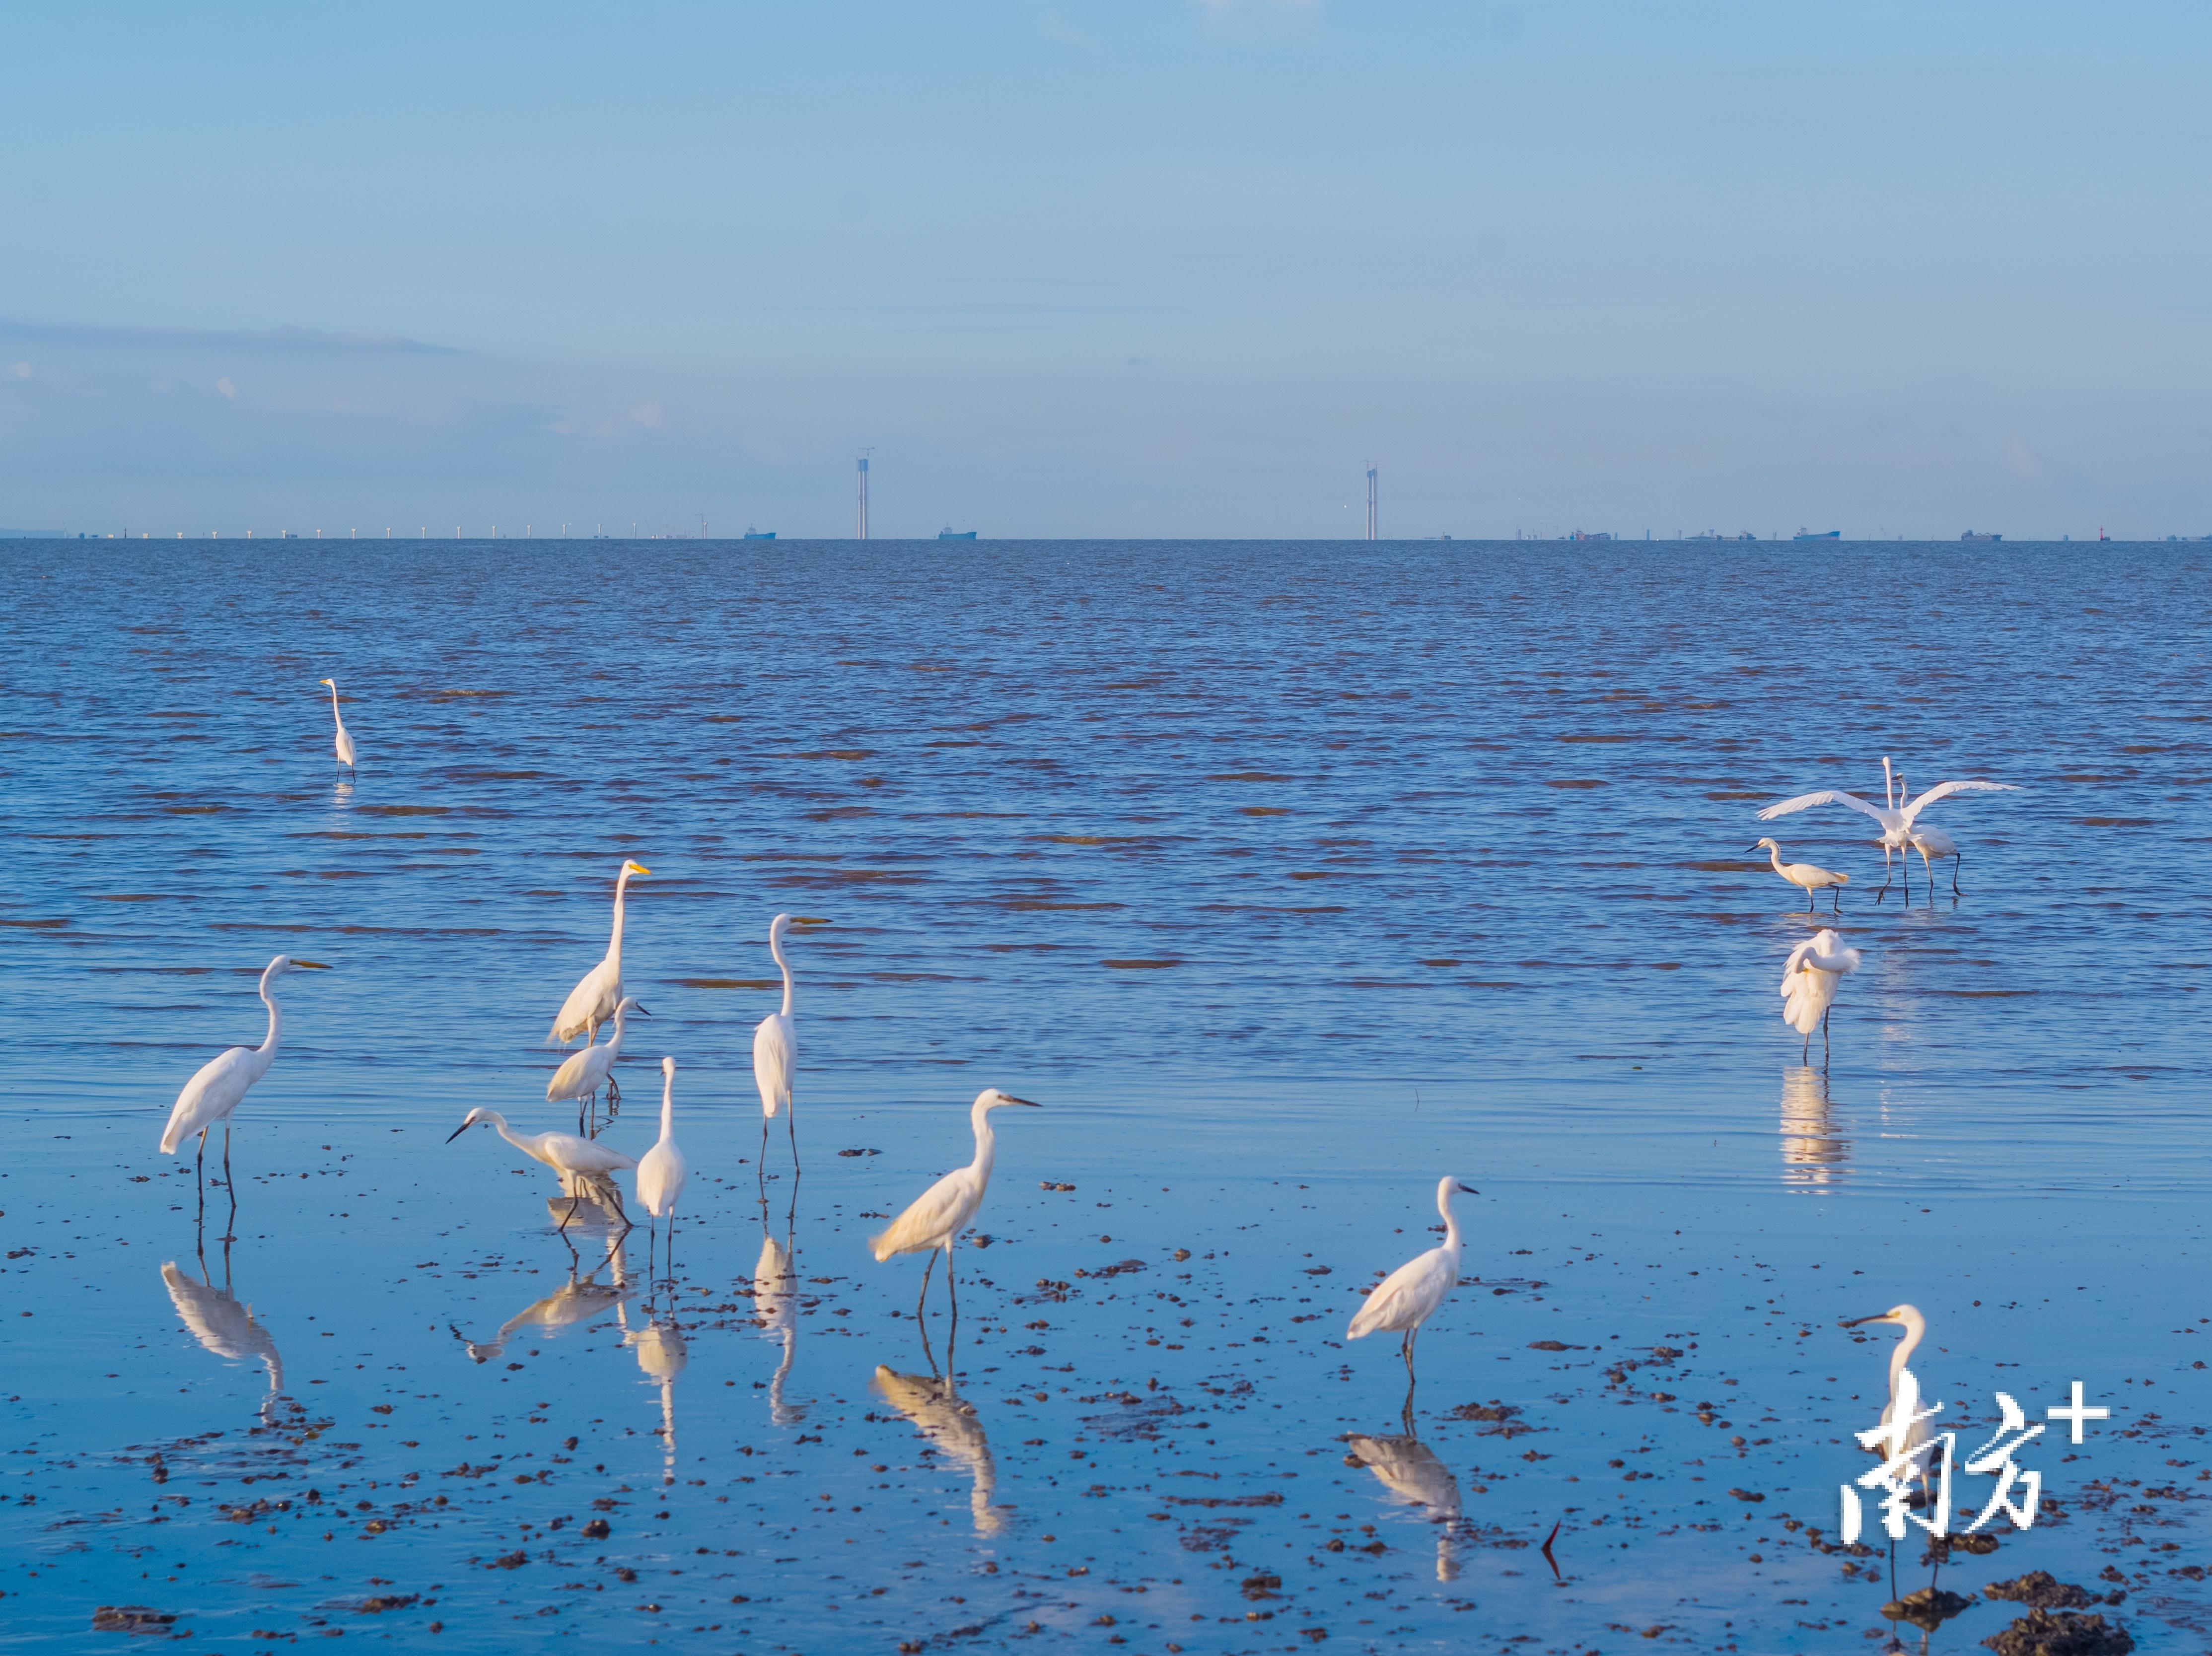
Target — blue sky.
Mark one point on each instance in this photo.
(1154, 267)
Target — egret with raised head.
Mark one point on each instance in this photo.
(935, 1218)
(1409, 1296)
(661, 1171)
(1897, 818)
(775, 1054)
(593, 1000)
(215, 1091)
(345, 736)
(583, 1073)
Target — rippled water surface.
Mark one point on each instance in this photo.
(1287, 877)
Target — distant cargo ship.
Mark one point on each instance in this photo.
(949, 533)
(1818, 535)
(1591, 534)
(1973, 535)
(752, 534)
(1709, 535)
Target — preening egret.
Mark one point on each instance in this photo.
(1810, 977)
(584, 1165)
(593, 1000)
(940, 1214)
(951, 1423)
(213, 1093)
(1409, 1469)
(581, 1076)
(1808, 875)
(1409, 1296)
(1897, 820)
(661, 1170)
(345, 739)
(775, 1054)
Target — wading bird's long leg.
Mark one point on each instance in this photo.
(922, 1298)
(1836, 898)
(228, 1183)
(1809, 900)
(199, 1176)
(791, 1121)
(1957, 858)
(1884, 892)
(672, 1250)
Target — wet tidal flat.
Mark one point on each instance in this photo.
(1286, 879)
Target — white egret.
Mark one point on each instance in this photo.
(584, 1165)
(775, 1054)
(593, 1000)
(661, 1170)
(345, 737)
(1918, 1439)
(937, 1216)
(583, 1073)
(1810, 978)
(1810, 876)
(213, 1093)
(1933, 844)
(1409, 1296)
(1897, 819)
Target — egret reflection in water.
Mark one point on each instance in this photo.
(219, 1322)
(1813, 1157)
(775, 1304)
(661, 1353)
(950, 1424)
(1409, 1469)
(579, 1299)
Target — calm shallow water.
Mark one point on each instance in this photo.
(1289, 877)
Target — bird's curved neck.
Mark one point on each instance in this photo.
(667, 1110)
(775, 948)
(622, 886)
(334, 706)
(1774, 856)
(1905, 1348)
(613, 1041)
(267, 1050)
(987, 1142)
(1451, 1223)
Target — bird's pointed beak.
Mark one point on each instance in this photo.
(312, 965)
(1470, 1189)
(1853, 1322)
(1031, 1102)
(458, 1130)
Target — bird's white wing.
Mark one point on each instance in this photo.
(1842, 961)
(1945, 790)
(583, 1073)
(585, 1156)
(660, 1174)
(1825, 797)
(1790, 966)
(773, 1057)
(209, 1095)
(592, 1001)
(941, 1209)
(1404, 1296)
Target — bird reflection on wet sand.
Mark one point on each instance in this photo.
(1813, 1157)
(578, 1300)
(1409, 1469)
(220, 1323)
(661, 1354)
(952, 1426)
(775, 1304)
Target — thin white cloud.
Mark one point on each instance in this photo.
(19, 371)
(286, 338)
(226, 387)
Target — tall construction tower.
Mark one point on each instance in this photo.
(861, 486)
(1370, 503)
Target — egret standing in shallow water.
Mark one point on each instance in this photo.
(213, 1094)
(775, 1055)
(1810, 978)
(661, 1171)
(584, 1164)
(1409, 1296)
(593, 1000)
(345, 738)
(1808, 875)
(1917, 1441)
(585, 1072)
(940, 1214)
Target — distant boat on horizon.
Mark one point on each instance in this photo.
(752, 534)
(1709, 535)
(1818, 535)
(1976, 535)
(949, 533)
(1591, 534)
